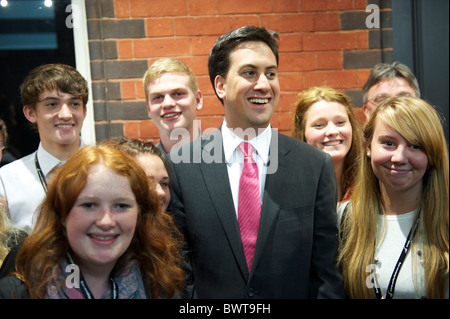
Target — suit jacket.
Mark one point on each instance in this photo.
(297, 238)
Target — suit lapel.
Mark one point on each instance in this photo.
(215, 175)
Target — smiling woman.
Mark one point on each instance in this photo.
(120, 240)
(323, 117)
(400, 202)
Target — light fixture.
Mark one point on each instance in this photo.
(4, 3)
(48, 3)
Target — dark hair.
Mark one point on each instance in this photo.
(49, 77)
(219, 57)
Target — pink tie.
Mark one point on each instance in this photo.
(249, 204)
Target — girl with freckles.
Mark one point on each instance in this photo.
(101, 218)
(395, 233)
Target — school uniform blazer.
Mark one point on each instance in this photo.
(297, 239)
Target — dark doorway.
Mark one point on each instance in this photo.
(31, 33)
(421, 38)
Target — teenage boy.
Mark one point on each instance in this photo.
(173, 98)
(54, 98)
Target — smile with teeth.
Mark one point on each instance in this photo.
(332, 143)
(259, 100)
(169, 115)
(64, 125)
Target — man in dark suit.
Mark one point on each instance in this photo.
(295, 218)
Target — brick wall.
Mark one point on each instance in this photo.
(322, 42)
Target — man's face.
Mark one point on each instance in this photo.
(59, 117)
(397, 86)
(250, 90)
(172, 103)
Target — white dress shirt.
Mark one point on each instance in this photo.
(235, 159)
(21, 187)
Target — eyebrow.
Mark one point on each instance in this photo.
(171, 90)
(255, 67)
(52, 98)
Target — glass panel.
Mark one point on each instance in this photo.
(31, 33)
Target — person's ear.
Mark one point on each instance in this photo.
(220, 85)
(30, 114)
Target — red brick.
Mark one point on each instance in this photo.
(145, 8)
(291, 81)
(329, 60)
(204, 84)
(131, 129)
(325, 5)
(362, 76)
(293, 61)
(327, 21)
(202, 25)
(362, 39)
(334, 79)
(198, 64)
(122, 8)
(329, 41)
(286, 5)
(285, 121)
(242, 20)
(211, 106)
(201, 45)
(290, 42)
(360, 4)
(288, 22)
(247, 6)
(125, 49)
(159, 27)
(359, 114)
(202, 7)
(208, 124)
(148, 130)
(128, 90)
(287, 100)
(140, 93)
(159, 47)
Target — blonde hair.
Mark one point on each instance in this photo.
(168, 65)
(313, 95)
(420, 125)
(9, 234)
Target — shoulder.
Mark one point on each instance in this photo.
(299, 151)
(207, 146)
(21, 163)
(11, 287)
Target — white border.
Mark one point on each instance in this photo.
(83, 65)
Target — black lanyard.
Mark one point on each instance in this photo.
(398, 266)
(85, 289)
(39, 172)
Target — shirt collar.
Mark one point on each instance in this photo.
(47, 161)
(261, 143)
